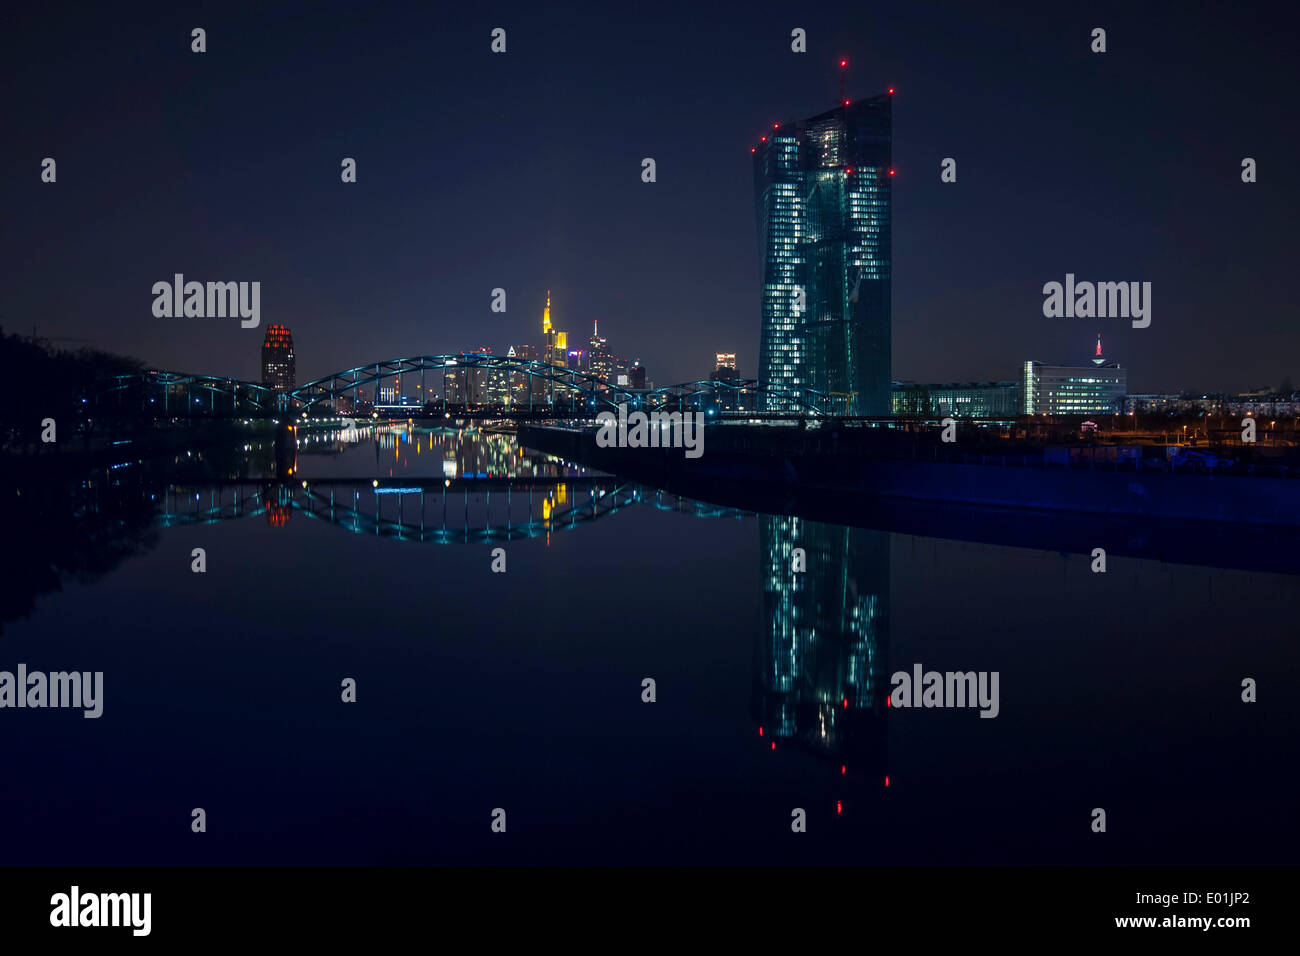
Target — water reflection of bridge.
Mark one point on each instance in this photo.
(447, 511)
(820, 677)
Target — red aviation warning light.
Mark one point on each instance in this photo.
(843, 64)
(891, 91)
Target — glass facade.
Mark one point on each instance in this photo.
(602, 360)
(526, 389)
(822, 197)
(1067, 390)
(958, 399)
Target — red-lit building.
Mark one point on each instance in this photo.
(277, 359)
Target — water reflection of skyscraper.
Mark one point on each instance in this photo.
(820, 679)
(278, 501)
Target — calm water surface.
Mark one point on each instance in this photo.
(522, 690)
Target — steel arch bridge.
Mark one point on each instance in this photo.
(467, 383)
(535, 385)
(180, 394)
(470, 378)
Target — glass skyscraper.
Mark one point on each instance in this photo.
(822, 195)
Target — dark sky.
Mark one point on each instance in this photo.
(522, 171)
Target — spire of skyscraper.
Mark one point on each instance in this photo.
(546, 315)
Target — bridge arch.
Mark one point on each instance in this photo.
(161, 394)
(453, 384)
(457, 382)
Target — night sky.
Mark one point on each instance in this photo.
(522, 171)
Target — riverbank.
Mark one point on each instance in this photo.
(855, 466)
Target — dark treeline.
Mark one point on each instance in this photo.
(41, 382)
(57, 531)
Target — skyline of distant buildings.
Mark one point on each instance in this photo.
(1097, 388)
(823, 205)
(597, 359)
(504, 387)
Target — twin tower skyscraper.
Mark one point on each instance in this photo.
(822, 194)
